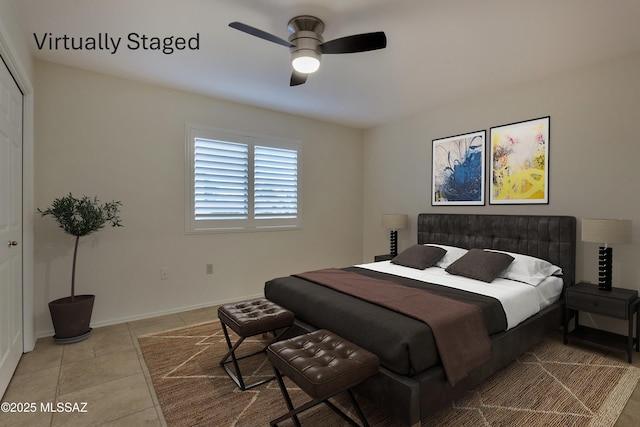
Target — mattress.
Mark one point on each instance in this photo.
(519, 300)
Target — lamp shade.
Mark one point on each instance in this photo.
(606, 230)
(395, 221)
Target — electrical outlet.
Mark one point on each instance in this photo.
(209, 268)
(164, 274)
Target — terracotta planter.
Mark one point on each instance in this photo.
(71, 319)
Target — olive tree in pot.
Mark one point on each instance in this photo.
(78, 217)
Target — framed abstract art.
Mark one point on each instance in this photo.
(520, 163)
(459, 170)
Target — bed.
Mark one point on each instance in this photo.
(412, 383)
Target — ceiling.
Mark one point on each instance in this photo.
(438, 51)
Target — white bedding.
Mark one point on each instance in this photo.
(519, 300)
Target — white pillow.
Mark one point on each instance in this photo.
(528, 269)
(453, 253)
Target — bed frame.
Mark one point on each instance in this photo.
(411, 400)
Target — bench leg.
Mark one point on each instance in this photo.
(237, 376)
(293, 412)
(363, 419)
(287, 400)
(344, 416)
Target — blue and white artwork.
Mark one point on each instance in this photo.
(459, 170)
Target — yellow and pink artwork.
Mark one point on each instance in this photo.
(519, 162)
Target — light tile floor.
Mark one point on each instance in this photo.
(107, 372)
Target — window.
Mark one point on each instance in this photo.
(241, 182)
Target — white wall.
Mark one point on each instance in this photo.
(117, 139)
(10, 20)
(594, 159)
(124, 140)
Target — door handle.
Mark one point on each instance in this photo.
(12, 243)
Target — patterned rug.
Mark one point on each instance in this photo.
(552, 385)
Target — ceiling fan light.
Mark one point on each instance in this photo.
(305, 62)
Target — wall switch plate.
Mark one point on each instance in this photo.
(164, 274)
(209, 268)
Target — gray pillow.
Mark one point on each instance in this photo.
(419, 256)
(480, 265)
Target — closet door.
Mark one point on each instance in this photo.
(11, 343)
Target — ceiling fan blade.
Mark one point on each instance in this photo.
(356, 43)
(259, 33)
(297, 78)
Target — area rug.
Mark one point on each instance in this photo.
(551, 385)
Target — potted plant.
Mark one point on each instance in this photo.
(78, 217)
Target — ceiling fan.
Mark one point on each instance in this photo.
(307, 45)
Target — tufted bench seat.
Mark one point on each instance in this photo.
(247, 319)
(322, 364)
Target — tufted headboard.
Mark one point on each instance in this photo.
(552, 238)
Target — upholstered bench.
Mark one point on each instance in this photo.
(247, 319)
(322, 364)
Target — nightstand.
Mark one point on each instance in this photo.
(618, 303)
(386, 257)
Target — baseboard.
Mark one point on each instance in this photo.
(109, 322)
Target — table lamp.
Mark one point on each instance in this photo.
(393, 223)
(606, 231)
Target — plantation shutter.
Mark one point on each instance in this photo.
(221, 176)
(275, 183)
(238, 182)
